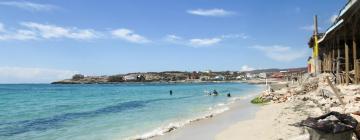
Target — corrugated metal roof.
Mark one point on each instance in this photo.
(331, 29)
(339, 21)
(347, 7)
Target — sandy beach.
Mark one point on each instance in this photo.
(272, 122)
(276, 120)
(279, 119)
(260, 127)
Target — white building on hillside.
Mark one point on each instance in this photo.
(219, 78)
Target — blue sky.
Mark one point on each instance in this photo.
(42, 41)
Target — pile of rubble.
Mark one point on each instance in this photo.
(287, 92)
(317, 90)
(312, 97)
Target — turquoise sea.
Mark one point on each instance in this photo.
(108, 111)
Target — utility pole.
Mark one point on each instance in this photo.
(316, 47)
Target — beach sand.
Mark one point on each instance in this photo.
(260, 127)
(277, 120)
(271, 122)
(207, 129)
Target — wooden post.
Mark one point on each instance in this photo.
(316, 48)
(357, 71)
(329, 58)
(336, 91)
(355, 57)
(338, 62)
(346, 63)
(333, 57)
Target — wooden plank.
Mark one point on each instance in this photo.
(346, 63)
(329, 58)
(335, 90)
(333, 57)
(357, 71)
(354, 58)
(338, 62)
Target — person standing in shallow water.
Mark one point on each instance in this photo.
(170, 92)
(215, 93)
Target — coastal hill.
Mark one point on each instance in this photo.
(175, 76)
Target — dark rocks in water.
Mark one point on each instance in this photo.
(171, 129)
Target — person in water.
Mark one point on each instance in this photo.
(228, 95)
(215, 93)
(170, 92)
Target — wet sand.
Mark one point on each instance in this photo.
(207, 129)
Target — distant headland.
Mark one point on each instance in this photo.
(181, 76)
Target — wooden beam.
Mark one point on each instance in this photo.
(346, 63)
(355, 56)
(333, 57)
(329, 57)
(336, 91)
(338, 79)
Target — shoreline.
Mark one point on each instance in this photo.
(279, 118)
(252, 81)
(226, 114)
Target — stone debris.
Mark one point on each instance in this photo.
(316, 90)
(314, 97)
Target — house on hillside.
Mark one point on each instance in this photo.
(204, 78)
(134, 77)
(263, 75)
(131, 77)
(219, 78)
(250, 75)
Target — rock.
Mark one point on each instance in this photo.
(305, 98)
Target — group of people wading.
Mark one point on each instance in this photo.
(213, 93)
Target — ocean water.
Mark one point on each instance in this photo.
(109, 111)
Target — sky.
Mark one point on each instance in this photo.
(43, 41)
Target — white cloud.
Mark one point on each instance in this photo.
(246, 68)
(2, 28)
(19, 35)
(234, 36)
(173, 38)
(32, 75)
(129, 35)
(211, 12)
(204, 41)
(48, 31)
(281, 53)
(333, 18)
(29, 5)
(16, 35)
(34, 31)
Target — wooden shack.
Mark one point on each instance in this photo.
(336, 49)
